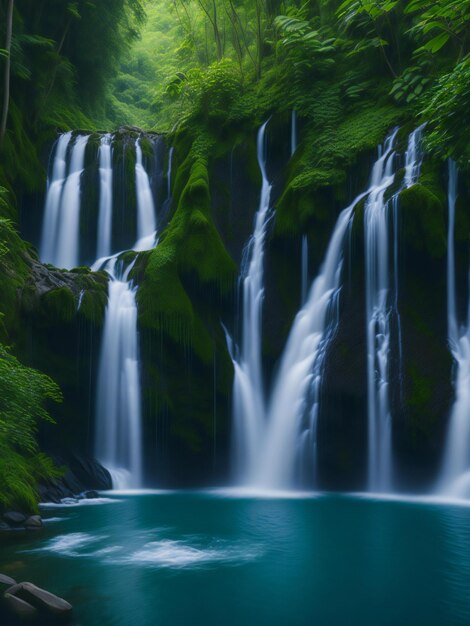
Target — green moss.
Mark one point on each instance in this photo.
(93, 306)
(60, 304)
(424, 217)
(190, 248)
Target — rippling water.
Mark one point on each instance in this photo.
(208, 559)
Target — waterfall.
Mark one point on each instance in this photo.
(146, 221)
(105, 215)
(248, 396)
(276, 438)
(455, 476)
(304, 270)
(378, 318)
(382, 300)
(61, 226)
(300, 370)
(118, 423)
(293, 140)
(118, 437)
(118, 434)
(55, 185)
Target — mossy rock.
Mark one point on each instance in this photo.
(190, 249)
(424, 217)
(60, 304)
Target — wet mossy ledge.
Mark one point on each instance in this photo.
(190, 249)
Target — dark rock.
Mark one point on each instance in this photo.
(20, 609)
(83, 476)
(34, 522)
(14, 518)
(6, 581)
(90, 495)
(4, 526)
(41, 599)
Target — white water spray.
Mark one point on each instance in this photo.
(105, 215)
(455, 477)
(248, 396)
(118, 424)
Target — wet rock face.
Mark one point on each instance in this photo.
(25, 603)
(83, 478)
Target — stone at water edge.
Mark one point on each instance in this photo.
(6, 581)
(18, 608)
(14, 518)
(41, 599)
(34, 522)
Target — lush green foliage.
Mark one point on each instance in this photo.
(23, 392)
(62, 55)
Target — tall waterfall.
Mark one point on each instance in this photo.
(118, 407)
(291, 423)
(146, 219)
(382, 300)
(105, 215)
(248, 396)
(118, 437)
(60, 242)
(455, 477)
(118, 421)
(277, 436)
(55, 185)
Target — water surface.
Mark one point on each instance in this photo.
(211, 559)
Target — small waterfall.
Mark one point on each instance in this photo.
(169, 173)
(293, 139)
(118, 424)
(146, 220)
(378, 318)
(60, 238)
(300, 371)
(248, 396)
(105, 215)
(304, 270)
(55, 186)
(382, 300)
(455, 476)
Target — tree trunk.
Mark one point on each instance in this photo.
(6, 76)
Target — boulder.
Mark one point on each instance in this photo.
(19, 608)
(90, 495)
(6, 581)
(41, 599)
(34, 522)
(4, 526)
(14, 518)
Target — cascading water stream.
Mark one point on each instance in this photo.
(55, 186)
(248, 396)
(105, 215)
(304, 271)
(283, 444)
(146, 219)
(301, 368)
(455, 476)
(293, 139)
(118, 408)
(378, 318)
(118, 442)
(118, 424)
(60, 243)
(382, 301)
